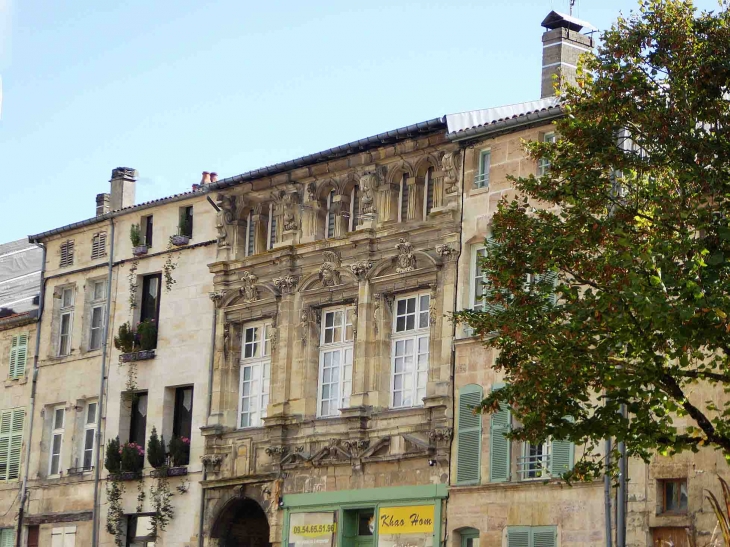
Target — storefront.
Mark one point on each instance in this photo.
(403, 516)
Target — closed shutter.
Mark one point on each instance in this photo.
(561, 457)
(469, 435)
(98, 245)
(67, 254)
(18, 355)
(544, 536)
(16, 443)
(499, 445)
(518, 536)
(7, 537)
(57, 537)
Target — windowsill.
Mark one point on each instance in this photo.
(478, 191)
(20, 381)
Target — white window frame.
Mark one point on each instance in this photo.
(543, 165)
(418, 336)
(56, 431)
(258, 366)
(67, 310)
(540, 466)
(344, 348)
(482, 178)
(98, 303)
(476, 252)
(89, 425)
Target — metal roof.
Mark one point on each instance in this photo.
(20, 277)
(555, 19)
(360, 145)
(475, 122)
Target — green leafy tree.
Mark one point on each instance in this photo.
(609, 276)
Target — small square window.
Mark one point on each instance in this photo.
(674, 495)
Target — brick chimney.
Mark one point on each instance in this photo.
(213, 177)
(102, 204)
(123, 181)
(562, 45)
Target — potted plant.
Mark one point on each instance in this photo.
(180, 451)
(146, 335)
(135, 236)
(124, 341)
(132, 456)
(183, 230)
(137, 344)
(156, 450)
(113, 457)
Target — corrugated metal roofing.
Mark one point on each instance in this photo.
(475, 119)
(20, 275)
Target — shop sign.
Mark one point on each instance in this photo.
(408, 526)
(312, 529)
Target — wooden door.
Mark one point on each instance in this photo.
(670, 537)
(33, 533)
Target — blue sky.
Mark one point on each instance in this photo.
(176, 88)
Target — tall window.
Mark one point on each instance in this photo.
(403, 211)
(147, 229)
(409, 360)
(138, 420)
(335, 361)
(18, 356)
(543, 164)
(186, 221)
(331, 216)
(150, 308)
(673, 495)
(11, 442)
(468, 435)
(250, 235)
(58, 418)
(535, 461)
(87, 455)
(67, 254)
(66, 318)
(354, 208)
(428, 192)
(478, 278)
(98, 245)
(485, 162)
(272, 227)
(182, 421)
(96, 317)
(255, 370)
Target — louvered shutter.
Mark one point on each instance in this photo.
(518, 536)
(16, 443)
(6, 419)
(499, 445)
(67, 253)
(561, 457)
(544, 536)
(98, 245)
(469, 436)
(7, 537)
(18, 355)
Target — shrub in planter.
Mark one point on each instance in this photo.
(132, 457)
(124, 341)
(147, 334)
(135, 235)
(180, 450)
(156, 450)
(113, 457)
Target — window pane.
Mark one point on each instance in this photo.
(411, 305)
(58, 418)
(410, 321)
(91, 413)
(400, 324)
(401, 307)
(423, 320)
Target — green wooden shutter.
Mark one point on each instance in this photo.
(5, 425)
(518, 536)
(561, 457)
(499, 445)
(16, 443)
(469, 435)
(7, 537)
(18, 355)
(544, 536)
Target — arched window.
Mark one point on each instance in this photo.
(331, 216)
(428, 192)
(354, 208)
(404, 198)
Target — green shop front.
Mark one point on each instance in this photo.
(403, 516)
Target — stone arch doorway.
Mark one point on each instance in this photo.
(242, 523)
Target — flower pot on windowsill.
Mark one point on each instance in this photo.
(179, 471)
(139, 250)
(140, 355)
(179, 240)
(125, 476)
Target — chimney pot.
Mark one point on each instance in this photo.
(213, 177)
(123, 183)
(206, 178)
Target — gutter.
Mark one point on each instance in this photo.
(508, 124)
(305, 161)
(31, 407)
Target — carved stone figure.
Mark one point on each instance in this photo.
(226, 216)
(311, 192)
(290, 201)
(226, 340)
(248, 289)
(445, 252)
(368, 185)
(450, 165)
(328, 271)
(361, 269)
(217, 297)
(406, 259)
(286, 284)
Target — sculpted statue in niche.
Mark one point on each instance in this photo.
(450, 164)
(290, 200)
(406, 259)
(328, 274)
(249, 290)
(368, 185)
(226, 216)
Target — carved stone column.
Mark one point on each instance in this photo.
(260, 225)
(364, 333)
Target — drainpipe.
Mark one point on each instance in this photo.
(31, 407)
(607, 493)
(209, 403)
(102, 379)
(621, 497)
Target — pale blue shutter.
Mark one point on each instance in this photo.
(6, 419)
(544, 536)
(18, 355)
(7, 537)
(16, 443)
(561, 457)
(469, 436)
(518, 536)
(499, 445)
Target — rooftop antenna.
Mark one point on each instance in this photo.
(572, 3)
